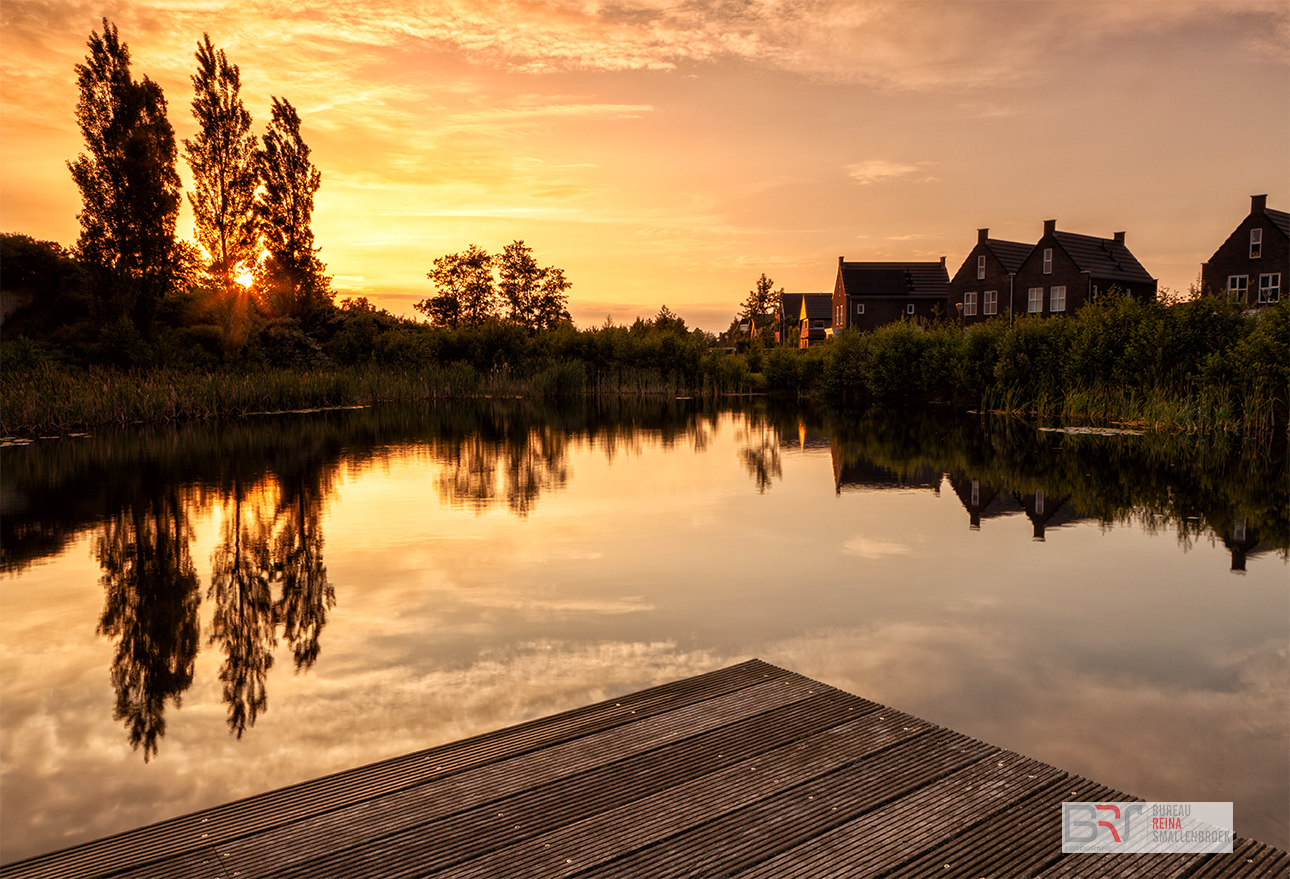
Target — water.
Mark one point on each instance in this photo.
(255, 604)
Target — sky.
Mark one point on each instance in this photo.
(665, 152)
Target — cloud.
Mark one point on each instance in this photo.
(865, 548)
(880, 171)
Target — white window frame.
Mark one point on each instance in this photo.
(1256, 244)
(1048, 260)
(909, 309)
(1238, 285)
(859, 308)
(980, 267)
(990, 302)
(1057, 299)
(1035, 300)
(1269, 288)
(969, 303)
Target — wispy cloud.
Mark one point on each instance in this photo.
(881, 171)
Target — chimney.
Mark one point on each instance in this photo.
(1258, 203)
(942, 262)
(840, 261)
(982, 235)
(1119, 237)
(1050, 226)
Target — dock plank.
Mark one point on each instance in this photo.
(749, 771)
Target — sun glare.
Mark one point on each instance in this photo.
(244, 277)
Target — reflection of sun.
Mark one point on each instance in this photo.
(244, 276)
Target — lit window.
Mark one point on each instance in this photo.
(991, 303)
(969, 303)
(1036, 302)
(1238, 286)
(1269, 288)
(1256, 243)
(1057, 299)
(1048, 260)
(859, 308)
(980, 267)
(909, 309)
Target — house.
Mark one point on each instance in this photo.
(1065, 271)
(852, 472)
(1254, 262)
(790, 311)
(983, 285)
(814, 319)
(867, 295)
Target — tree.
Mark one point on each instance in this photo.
(534, 295)
(128, 183)
(467, 296)
(225, 174)
(291, 274)
(761, 305)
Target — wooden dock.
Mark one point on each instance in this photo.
(749, 771)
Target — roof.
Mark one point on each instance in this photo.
(819, 306)
(1103, 257)
(790, 305)
(895, 278)
(1280, 218)
(1011, 253)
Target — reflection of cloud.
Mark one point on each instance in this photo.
(865, 548)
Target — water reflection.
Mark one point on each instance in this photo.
(271, 483)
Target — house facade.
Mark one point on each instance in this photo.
(1253, 264)
(867, 295)
(1065, 271)
(815, 319)
(983, 287)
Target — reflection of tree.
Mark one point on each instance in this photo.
(151, 609)
(760, 456)
(244, 623)
(298, 552)
(532, 461)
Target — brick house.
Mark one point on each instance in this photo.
(983, 285)
(1065, 271)
(867, 295)
(1253, 264)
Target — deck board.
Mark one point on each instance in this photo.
(749, 771)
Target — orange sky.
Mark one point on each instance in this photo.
(666, 152)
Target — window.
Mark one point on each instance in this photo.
(1095, 292)
(1256, 243)
(1270, 288)
(1057, 299)
(1238, 286)
(1039, 502)
(1036, 302)
(991, 303)
(969, 303)
(859, 308)
(909, 309)
(980, 268)
(1048, 260)
(976, 492)
(819, 324)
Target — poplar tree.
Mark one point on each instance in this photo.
(225, 174)
(128, 183)
(291, 274)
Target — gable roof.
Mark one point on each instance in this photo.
(894, 278)
(790, 305)
(1280, 218)
(1010, 253)
(817, 306)
(1103, 257)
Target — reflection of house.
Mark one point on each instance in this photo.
(861, 474)
(982, 500)
(867, 295)
(1244, 543)
(1065, 271)
(983, 285)
(1254, 262)
(1047, 512)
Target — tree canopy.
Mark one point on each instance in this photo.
(468, 295)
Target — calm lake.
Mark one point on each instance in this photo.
(194, 615)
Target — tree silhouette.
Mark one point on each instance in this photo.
(534, 295)
(128, 183)
(151, 609)
(761, 304)
(225, 175)
(467, 296)
(291, 274)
